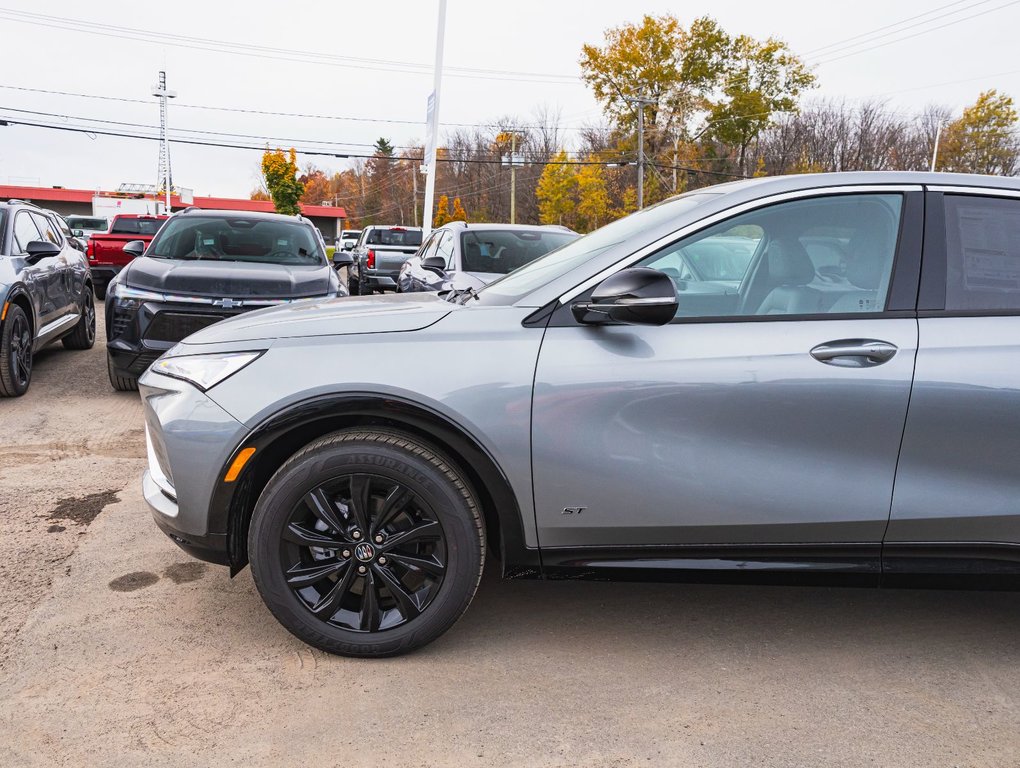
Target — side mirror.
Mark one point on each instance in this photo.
(435, 264)
(135, 248)
(342, 259)
(77, 233)
(348, 246)
(636, 296)
(38, 250)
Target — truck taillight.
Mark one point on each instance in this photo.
(370, 260)
(90, 250)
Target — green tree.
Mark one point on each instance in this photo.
(762, 78)
(280, 174)
(592, 197)
(555, 191)
(982, 140)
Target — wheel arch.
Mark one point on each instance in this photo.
(18, 295)
(283, 434)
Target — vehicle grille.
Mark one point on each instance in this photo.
(121, 320)
(174, 326)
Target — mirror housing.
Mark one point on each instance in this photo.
(77, 233)
(348, 246)
(37, 250)
(342, 259)
(134, 248)
(435, 264)
(635, 296)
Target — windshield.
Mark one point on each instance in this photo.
(394, 236)
(502, 251)
(215, 238)
(523, 281)
(88, 223)
(136, 226)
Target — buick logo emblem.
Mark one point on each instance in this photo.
(364, 552)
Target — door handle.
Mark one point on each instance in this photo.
(854, 353)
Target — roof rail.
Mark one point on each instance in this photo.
(16, 201)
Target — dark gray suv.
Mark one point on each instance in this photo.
(45, 292)
(803, 378)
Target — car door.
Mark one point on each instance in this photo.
(39, 277)
(63, 276)
(958, 483)
(760, 414)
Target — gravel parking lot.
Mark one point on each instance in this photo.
(117, 649)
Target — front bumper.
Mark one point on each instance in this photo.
(137, 337)
(380, 282)
(189, 439)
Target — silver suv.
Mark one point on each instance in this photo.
(796, 378)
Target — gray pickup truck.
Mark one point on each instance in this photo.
(379, 254)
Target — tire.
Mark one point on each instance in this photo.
(120, 383)
(423, 530)
(15, 353)
(101, 291)
(84, 334)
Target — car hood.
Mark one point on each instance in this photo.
(330, 317)
(227, 279)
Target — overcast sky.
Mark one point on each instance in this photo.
(906, 64)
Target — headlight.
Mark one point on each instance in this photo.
(204, 371)
(132, 298)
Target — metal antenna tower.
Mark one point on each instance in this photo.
(164, 181)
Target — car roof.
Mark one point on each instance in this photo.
(258, 215)
(460, 226)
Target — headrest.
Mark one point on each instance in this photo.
(867, 254)
(789, 263)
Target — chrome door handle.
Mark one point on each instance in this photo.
(855, 353)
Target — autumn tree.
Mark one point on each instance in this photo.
(555, 191)
(592, 197)
(317, 186)
(280, 174)
(458, 213)
(442, 212)
(982, 140)
(761, 79)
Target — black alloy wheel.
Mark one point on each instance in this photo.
(84, 334)
(367, 544)
(364, 553)
(15, 353)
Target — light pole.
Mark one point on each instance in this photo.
(642, 102)
(429, 164)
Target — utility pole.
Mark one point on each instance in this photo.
(429, 166)
(161, 92)
(513, 178)
(414, 185)
(642, 102)
(935, 152)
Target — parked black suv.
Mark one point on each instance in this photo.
(45, 292)
(202, 267)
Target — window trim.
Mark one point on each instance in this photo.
(15, 243)
(935, 265)
(905, 271)
(735, 210)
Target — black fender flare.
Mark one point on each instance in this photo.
(281, 435)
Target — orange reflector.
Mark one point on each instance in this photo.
(238, 465)
(3, 315)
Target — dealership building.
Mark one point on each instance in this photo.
(78, 202)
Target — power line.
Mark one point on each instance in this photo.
(917, 34)
(242, 110)
(265, 52)
(869, 33)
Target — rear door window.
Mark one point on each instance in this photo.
(983, 253)
(47, 228)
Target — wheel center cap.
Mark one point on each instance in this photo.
(364, 552)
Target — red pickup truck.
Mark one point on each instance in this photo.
(106, 249)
